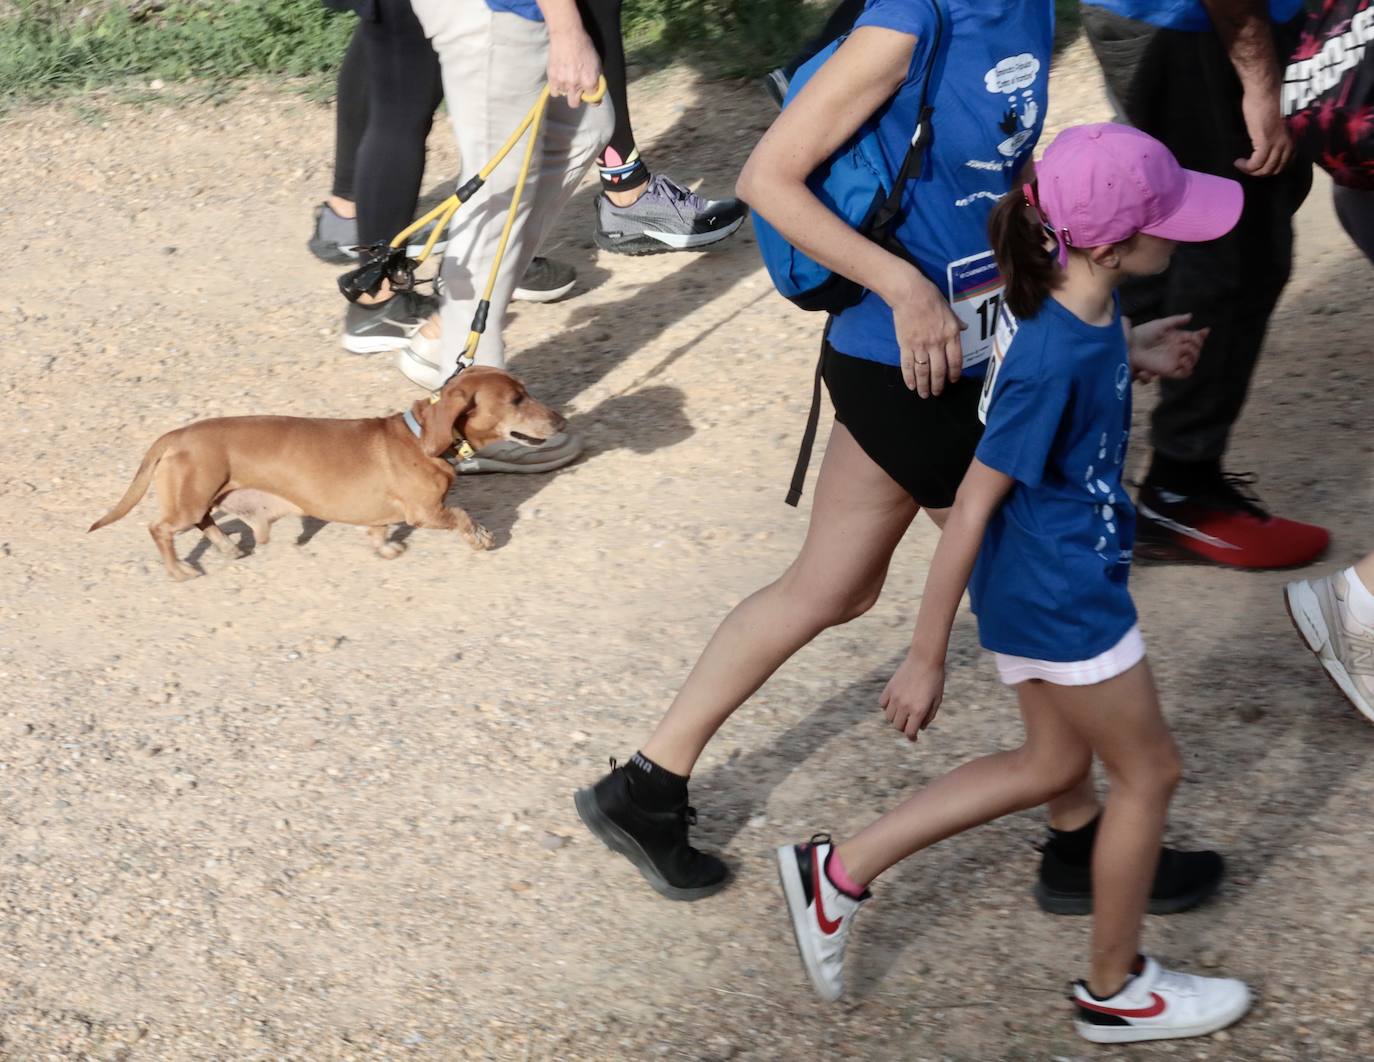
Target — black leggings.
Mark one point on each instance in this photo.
(389, 88)
(602, 21)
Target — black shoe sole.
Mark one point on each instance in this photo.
(1078, 903)
(618, 840)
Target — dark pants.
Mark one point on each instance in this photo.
(1355, 208)
(1180, 88)
(389, 88)
(601, 18)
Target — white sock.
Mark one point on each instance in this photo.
(1359, 600)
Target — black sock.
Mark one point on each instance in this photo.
(654, 788)
(1181, 477)
(1074, 847)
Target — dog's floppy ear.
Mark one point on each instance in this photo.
(437, 417)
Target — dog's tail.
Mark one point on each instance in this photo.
(137, 488)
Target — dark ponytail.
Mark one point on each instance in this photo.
(1018, 242)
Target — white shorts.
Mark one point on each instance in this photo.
(1117, 660)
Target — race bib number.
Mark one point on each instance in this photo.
(1001, 339)
(975, 296)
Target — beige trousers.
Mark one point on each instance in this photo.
(494, 66)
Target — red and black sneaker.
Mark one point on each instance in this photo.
(1221, 522)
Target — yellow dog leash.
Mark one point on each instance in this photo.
(443, 214)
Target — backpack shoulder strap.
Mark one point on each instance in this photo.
(920, 137)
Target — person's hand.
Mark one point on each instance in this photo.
(574, 66)
(1271, 142)
(1165, 348)
(912, 696)
(928, 337)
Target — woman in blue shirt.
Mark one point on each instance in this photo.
(904, 369)
(1043, 526)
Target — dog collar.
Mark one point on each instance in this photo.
(462, 446)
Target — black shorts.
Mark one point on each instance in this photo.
(924, 444)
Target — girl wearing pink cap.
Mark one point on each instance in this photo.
(1041, 535)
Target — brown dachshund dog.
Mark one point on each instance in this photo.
(373, 472)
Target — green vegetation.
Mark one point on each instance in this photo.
(50, 46)
(61, 46)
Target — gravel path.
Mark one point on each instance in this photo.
(318, 806)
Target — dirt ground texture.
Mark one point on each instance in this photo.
(316, 805)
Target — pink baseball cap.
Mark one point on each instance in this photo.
(1100, 184)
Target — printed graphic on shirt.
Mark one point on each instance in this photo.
(1309, 76)
(1104, 497)
(1012, 77)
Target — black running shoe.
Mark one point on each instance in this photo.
(1183, 880)
(655, 842)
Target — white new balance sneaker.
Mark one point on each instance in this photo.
(1343, 644)
(1159, 1004)
(821, 914)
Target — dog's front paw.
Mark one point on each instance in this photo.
(183, 571)
(480, 538)
(391, 550)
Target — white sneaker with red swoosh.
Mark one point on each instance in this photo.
(1159, 1004)
(821, 914)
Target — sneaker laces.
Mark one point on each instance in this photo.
(677, 193)
(415, 304)
(1237, 490)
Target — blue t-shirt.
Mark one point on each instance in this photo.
(524, 8)
(1050, 579)
(988, 88)
(1186, 14)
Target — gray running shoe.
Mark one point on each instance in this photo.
(1343, 644)
(335, 238)
(387, 325)
(667, 217)
(505, 456)
(544, 281)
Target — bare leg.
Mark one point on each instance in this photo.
(1118, 720)
(1053, 757)
(386, 550)
(859, 516)
(1122, 721)
(218, 538)
(1076, 808)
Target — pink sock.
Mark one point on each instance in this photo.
(839, 877)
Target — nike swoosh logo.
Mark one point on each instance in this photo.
(828, 927)
(1154, 1010)
(1184, 529)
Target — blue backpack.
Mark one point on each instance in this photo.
(854, 184)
